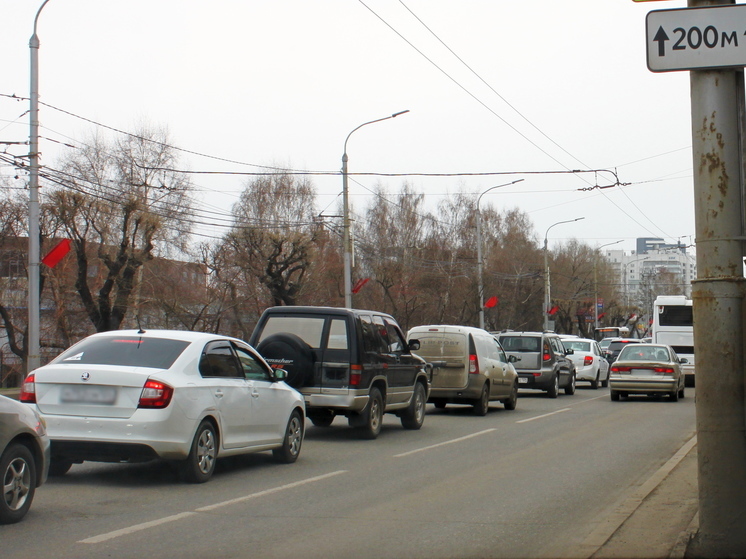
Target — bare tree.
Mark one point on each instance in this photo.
(117, 204)
(274, 234)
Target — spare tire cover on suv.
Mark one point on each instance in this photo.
(288, 351)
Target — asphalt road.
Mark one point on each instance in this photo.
(533, 482)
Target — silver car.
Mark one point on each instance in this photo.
(24, 458)
(650, 369)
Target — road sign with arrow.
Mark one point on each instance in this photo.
(696, 38)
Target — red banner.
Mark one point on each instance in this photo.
(491, 302)
(57, 253)
(359, 285)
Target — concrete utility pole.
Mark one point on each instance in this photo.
(717, 98)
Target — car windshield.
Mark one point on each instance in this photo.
(134, 351)
(521, 343)
(642, 353)
(577, 345)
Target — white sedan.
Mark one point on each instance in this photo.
(590, 363)
(190, 397)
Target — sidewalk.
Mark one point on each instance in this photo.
(658, 520)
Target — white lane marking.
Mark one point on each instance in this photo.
(444, 443)
(542, 416)
(175, 517)
(136, 528)
(270, 491)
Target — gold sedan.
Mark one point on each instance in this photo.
(647, 369)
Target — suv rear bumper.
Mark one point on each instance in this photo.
(541, 382)
(335, 399)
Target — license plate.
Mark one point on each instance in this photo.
(522, 380)
(105, 395)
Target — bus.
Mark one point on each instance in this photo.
(611, 332)
(673, 324)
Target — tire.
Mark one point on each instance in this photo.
(553, 391)
(570, 388)
(512, 401)
(674, 396)
(594, 382)
(414, 417)
(681, 392)
(290, 449)
(322, 420)
(605, 382)
(18, 472)
(370, 420)
(614, 396)
(200, 464)
(58, 467)
(289, 352)
(482, 404)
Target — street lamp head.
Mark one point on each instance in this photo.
(399, 113)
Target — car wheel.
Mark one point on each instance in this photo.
(681, 392)
(482, 404)
(19, 483)
(414, 417)
(605, 382)
(570, 388)
(674, 395)
(614, 396)
(59, 467)
(370, 421)
(290, 449)
(553, 390)
(321, 420)
(200, 464)
(292, 352)
(512, 401)
(594, 382)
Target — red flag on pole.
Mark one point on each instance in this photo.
(57, 253)
(554, 310)
(491, 302)
(600, 316)
(359, 285)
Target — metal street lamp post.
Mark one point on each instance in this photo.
(547, 284)
(595, 283)
(33, 359)
(479, 252)
(346, 237)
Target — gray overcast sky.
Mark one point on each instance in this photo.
(541, 85)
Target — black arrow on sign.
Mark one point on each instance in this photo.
(661, 39)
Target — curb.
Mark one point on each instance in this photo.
(606, 530)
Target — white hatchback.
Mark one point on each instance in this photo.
(190, 397)
(590, 364)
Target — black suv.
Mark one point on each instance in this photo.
(346, 362)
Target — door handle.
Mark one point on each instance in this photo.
(218, 393)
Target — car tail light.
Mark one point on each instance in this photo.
(665, 370)
(546, 356)
(28, 390)
(620, 369)
(473, 364)
(356, 375)
(587, 360)
(155, 394)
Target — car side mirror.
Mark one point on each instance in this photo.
(513, 358)
(683, 360)
(569, 351)
(279, 374)
(414, 345)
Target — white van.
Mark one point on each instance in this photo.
(469, 367)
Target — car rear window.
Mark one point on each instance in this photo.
(134, 351)
(521, 343)
(576, 345)
(307, 328)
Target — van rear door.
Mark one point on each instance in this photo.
(448, 352)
